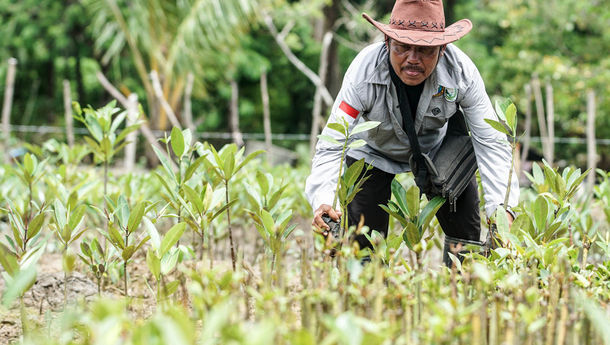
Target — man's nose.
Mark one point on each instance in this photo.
(413, 55)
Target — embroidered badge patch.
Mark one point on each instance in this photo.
(451, 94)
(439, 91)
(348, 109)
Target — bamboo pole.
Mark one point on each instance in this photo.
(132, 138)
(527, 126)
(8, 103)
(68, 113)
(188, 110)
(266, 115)
(317, 103)
(550, 117)
(234, 114)
(591, 149)
(540, 114)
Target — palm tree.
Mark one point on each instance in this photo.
(174, 38)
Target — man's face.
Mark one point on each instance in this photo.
(413, 64)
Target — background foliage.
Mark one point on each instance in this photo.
(563, 42)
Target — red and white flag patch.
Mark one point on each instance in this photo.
(348, 109)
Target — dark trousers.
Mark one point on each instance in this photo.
(463, 223)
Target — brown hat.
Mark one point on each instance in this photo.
(421, 22)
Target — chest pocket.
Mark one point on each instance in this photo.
(437, 114)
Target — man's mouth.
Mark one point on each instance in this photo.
(412, 70)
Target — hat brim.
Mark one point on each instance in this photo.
(452, 33)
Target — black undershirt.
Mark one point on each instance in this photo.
(413, 95)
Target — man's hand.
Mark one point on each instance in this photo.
(317, 217)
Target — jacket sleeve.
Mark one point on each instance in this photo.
(494, 155)
(321, 184)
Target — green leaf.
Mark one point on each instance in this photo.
(115, 238)
(122, 211)
(426, 215)
(511, 117)
(329, 139)
(127, 253)
(169, 260)
(353, 172)
(356, 144)
(76, 217)
(60, 215)
(35, 225)
(68, 261)
(337, 127)
(22, 281)
(193, 197)
(541, 210)
(193, 167)
(172, 237)
(177, 141)
(364, 126)
(155, 239)
(248, 158)
(28, 163)
(165, 162)
(135, 216)
(171, 288)
(154, 264)
(412, 201)
(411, 235)
(8, 261)
(263, 182)
(268, 222)
(499, 126)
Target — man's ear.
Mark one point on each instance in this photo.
(387, 42)
(443, 47)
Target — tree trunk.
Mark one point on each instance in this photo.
(333, 74)
(591, 149)
(266, 115)
(68, 113)
(317, 103)
(234, 115)
(8, 103)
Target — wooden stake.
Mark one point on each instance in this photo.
(550, 118)
(234, 114)
(8, 103)
(266, 115)
(540, 114)
(591, 149)
(188, 112)
(527, 126)
(68, 113)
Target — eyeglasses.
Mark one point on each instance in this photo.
(403, 49)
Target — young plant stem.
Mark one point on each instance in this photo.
(125, 265)
(510, 171)
(229, 225)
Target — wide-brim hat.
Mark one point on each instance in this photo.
(421, 22)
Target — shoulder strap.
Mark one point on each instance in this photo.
(405, 109)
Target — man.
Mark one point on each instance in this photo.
(438, 79)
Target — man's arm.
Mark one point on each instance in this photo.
(494, 155)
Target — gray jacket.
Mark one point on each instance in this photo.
(367, 94)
